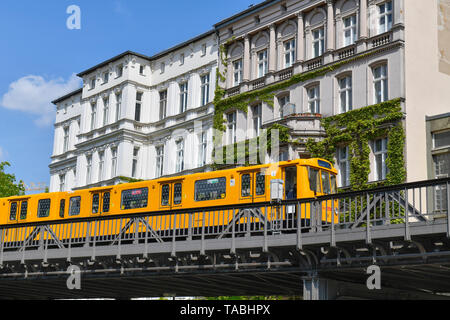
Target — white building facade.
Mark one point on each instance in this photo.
(137, 117)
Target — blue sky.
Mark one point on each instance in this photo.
(40, 57)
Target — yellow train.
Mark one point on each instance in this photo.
(301, 178)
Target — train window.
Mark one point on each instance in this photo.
(62, 208)
(13, 211)
(165, 195)
(211, 189)
(326, 182)
(177, 193)
(106, 198)
(23, 210)
(260, 184)
(44, 208)
(333, 183)
(74, 206)
(134, 199)
(245, 185)
(324, 164)
(314, 181)
(95, 202)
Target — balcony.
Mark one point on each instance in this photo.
(258, 83)
(380, 40)
(345, 52)
(314, 63)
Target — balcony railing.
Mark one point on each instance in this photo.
(345, 52)
(258, 83)
(381, 39)
(314, 63)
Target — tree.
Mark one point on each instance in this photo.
(8, 185)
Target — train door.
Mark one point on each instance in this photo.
(289, 176)
(18, 210)
(101, 202)
(253, 186)
(171, 194)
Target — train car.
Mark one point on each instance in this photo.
(299, 179)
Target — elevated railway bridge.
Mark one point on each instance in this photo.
(403, 229)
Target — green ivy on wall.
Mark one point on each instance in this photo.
(355, 129)
(266, 94)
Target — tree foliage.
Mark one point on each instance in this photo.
(8, 185)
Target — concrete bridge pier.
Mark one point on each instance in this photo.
(317, 288)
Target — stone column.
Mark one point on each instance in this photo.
(272, 50)
(246, 76)
(316, 288)
(330, 25)
(363, 19)
(300, 38)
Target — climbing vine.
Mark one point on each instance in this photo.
(266, 94)
(355, 129)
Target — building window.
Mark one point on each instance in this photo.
(345, 94)
(385, 17)
(380, 83)
(88, 169)
(162, 104)
(203, 49)
(380, 152)
(289, 53)
(113, 162)
(318, 42)
(283, 102)
(105, 111)
(442, 170)
(314, 99)
(66, 139)
(119, 71)
(105, 77)
(101, 165)
(181, 59)
(256, 120)
(231, 128)
(141, 69)
(262, 63)
(135, 162)
(92, 83)
(93, 115)
(180, 156)
(163, 67)
(137, 114)
(62, 182)
(350, 30)
(159, 161)
(118, 105)
(183, 96)
(441, 140)
(203, 144)
(344, 166)
(237, 67)
(205, 89)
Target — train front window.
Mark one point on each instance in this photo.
(13, 211)
(314, 181)
(326, 182)
(134, 199)
(333, 183)
(211, 189)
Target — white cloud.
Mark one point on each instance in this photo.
(2, 154)
(34, 94)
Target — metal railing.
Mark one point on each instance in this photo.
(402, 205)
